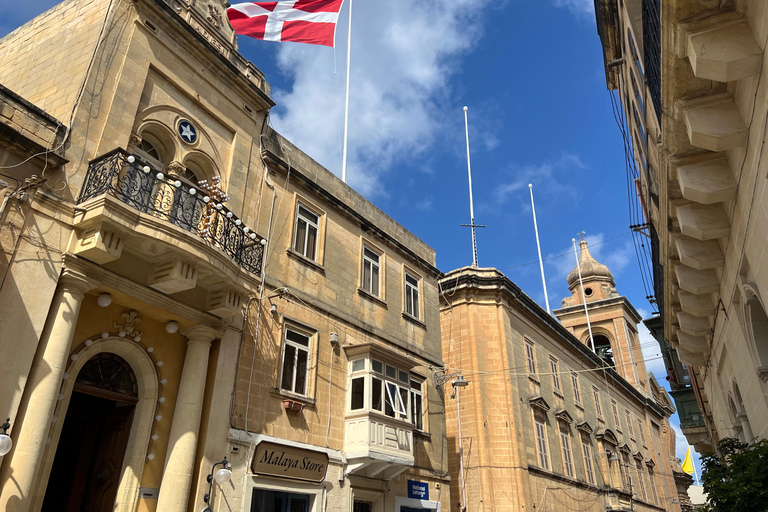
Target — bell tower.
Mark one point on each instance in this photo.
(612, 317)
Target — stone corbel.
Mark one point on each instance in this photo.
(100, 245)
(175, 169)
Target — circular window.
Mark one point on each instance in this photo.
(588, 292)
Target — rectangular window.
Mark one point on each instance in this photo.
(541, 443)
(567, 458)
(305, 241)
(629, 424)
(641, 480)
(371, 282)
(417, 405)
(530, 355)
(376, 390)
(585, 448)
(358, 393)
(641, 430)
(598, 407)
(411, 295)
(615, 415)
(651, 477)
(553, 366)
(576, 390)
(295, 362)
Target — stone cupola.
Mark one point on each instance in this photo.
(598, 280)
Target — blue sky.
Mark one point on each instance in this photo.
(530, 72)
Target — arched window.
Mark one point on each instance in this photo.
(757, 326)
(192, 174)
(603, 349)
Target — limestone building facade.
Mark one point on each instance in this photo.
(182, 285)
(545, 422)
(690, 80)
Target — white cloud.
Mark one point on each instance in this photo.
(403, 56)
(542, 176)
(578, 7)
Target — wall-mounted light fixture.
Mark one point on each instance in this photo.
(104, 300)
(221, 476)
(171, 327)
(6, 443)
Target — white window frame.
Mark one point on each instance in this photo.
(310, 224)
(297, 348)
(565, 443)
(541, 442)
(417, 416)
(412, 293)
(400, 399)
(368, 284)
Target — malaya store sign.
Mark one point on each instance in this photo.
(289, 462)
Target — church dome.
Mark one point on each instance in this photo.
(591, 269)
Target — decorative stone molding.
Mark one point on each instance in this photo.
(175, 169)
(134, 140)
(214, 16)
(75, 283)
(173, 276)
(563, 416)
(127, 328)
(99, 245)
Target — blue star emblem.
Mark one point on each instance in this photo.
(188, 132)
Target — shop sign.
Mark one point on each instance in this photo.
(418, 490)
(289, 462)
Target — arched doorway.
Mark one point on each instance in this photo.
(85, 475)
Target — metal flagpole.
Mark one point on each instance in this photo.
(471, 206)
(346, 98)
(584, 297)
(538, 246)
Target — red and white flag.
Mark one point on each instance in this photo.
(299, 21)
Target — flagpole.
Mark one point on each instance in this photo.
(346, 97)
(584, 297)
(538, 246)
(471, 206)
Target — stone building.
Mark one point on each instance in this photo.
(181, 284)
(546, 423)
(689, 78)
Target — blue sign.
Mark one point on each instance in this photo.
(418, 490)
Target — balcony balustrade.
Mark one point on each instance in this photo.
(125, 178)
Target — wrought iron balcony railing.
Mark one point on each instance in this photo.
(123, 177)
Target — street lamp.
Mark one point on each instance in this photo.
(6, 443)
(440, 379)
(221, 476)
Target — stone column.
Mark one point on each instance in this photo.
(217, 423)
(182, 442)
(22, 465)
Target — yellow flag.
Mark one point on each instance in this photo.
(688, 462)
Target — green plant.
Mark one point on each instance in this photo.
(736, 479)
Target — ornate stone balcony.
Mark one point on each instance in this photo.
(118, 178)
